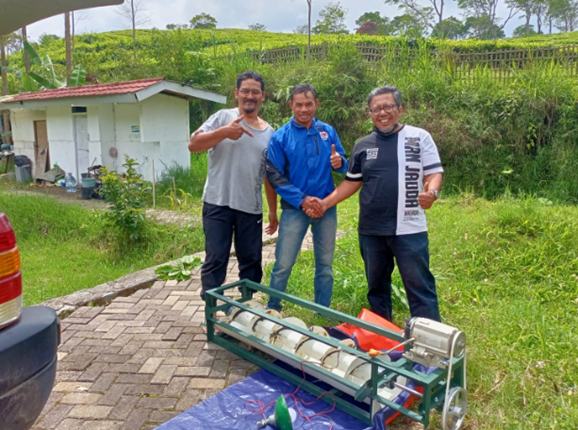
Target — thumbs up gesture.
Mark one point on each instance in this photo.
(336, 160)
(426, 197)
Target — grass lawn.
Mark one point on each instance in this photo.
(507, 275)
(65, 247)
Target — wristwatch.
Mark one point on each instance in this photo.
(436, 192)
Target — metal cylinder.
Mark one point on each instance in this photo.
(286, 338)
(312, 350)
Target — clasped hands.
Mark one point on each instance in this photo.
(314, 207)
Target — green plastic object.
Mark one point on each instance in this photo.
(282, 416)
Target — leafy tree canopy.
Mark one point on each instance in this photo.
(258, 27)
(382, 23)
(177, 26)
(483, 28)
(524, 31)
(450, 28)
(331, 20)
(407, 25)
(301, 29)
(204, 21)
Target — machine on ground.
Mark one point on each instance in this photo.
(370, 378)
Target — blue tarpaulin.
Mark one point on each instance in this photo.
(226, 410)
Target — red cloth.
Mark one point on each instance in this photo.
(366, 339)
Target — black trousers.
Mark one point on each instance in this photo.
(221, 224)
(411, 253)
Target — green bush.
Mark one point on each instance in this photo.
(127, 195)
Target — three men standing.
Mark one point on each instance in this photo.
(389, 166)
(301, 156)
(236, 141)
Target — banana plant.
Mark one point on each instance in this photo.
(46, 78)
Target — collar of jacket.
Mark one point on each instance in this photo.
(295, 124)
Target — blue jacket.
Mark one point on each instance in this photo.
(298, 163)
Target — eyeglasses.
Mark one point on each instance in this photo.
(246, 92)
(386, 108)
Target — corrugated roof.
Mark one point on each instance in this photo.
(127, 87)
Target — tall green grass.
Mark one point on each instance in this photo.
(191, 180)
(507, 275)
(65, 248)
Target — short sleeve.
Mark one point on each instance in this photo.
(354, 169)
(431, 161)
(214, 122)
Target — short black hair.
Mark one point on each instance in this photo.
(386, 89)
(250, 74)
(303, 89)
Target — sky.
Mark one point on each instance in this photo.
(277, 15)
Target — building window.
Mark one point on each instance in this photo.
(78, 109)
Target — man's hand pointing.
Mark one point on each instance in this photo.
(235, 130)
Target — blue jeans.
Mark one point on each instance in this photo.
(412, 257)
(292, 229)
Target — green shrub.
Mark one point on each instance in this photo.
(127, 195)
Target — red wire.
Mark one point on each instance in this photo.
(297, 400)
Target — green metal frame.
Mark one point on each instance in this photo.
(434, 385)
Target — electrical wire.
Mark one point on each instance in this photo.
(381, 353)
(296, 400)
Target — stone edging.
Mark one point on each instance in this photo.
(121, 287)
(105, 293)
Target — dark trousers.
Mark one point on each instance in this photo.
(220, 224)
(411, 254)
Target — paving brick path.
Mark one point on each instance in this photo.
(141, 360)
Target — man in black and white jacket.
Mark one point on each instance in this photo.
(399, 171)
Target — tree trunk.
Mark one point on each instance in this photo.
(309, 31)
(68, 47)
(3, 64)
(26, 57)
(133, 29)
(440, 20)
(73, 29)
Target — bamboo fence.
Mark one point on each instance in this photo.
(461, 65)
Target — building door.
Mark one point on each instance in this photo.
(81, 139)
(41, 155)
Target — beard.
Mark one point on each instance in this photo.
(250, 109)
(388, 130)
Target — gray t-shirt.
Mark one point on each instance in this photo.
(236, 167)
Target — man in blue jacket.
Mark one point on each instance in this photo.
(301, 156)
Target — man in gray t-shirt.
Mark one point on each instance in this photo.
(236, 141)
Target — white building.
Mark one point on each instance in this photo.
(78, 127)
